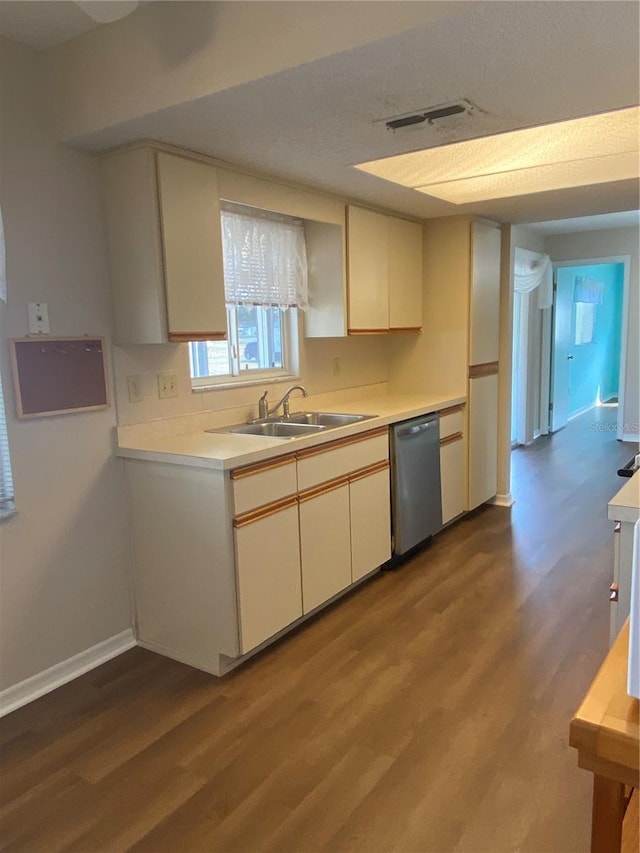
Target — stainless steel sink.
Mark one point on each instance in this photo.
(296, 425)
(274, 429)
(327, 419)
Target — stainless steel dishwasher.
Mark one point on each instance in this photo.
(415, 481)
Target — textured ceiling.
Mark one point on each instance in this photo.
(43, 24)
(522, 63)
(624, 219)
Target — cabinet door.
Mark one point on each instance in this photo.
(324, 544)
(405, 275)
(135, 251)
(370, 507)
(268, 572)
(483, 439)
(192, 243)
(484, 326)
(452, 477)
(368, 271)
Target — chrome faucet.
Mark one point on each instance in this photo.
(263, 405)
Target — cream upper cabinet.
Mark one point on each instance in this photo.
(405, 275)
(368, 271)
(484, 327)
(165, 247)
(384, 281)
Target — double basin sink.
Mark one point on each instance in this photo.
(295, 425)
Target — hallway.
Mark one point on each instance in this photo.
(428, 711)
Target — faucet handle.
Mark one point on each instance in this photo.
(263, 406)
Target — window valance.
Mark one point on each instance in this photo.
(533, 270)
(265, 261)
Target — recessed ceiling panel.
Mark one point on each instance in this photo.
(594, 149)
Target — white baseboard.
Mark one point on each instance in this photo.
(44, 682)
(630, 436)
(502, 500)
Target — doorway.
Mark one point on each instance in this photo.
(586, 342)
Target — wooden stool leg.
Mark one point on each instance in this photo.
(607, 814)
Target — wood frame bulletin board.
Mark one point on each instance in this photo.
(58, 376)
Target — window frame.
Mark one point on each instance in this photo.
(258, 375)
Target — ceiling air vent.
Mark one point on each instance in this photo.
(431, 114)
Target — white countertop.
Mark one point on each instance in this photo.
(223, 451)
(625, 506)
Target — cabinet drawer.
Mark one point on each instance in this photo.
(263, 483)
(317, 465)
(451, 421)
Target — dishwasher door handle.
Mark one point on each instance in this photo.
(414, 430)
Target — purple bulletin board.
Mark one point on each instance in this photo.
(57, 376)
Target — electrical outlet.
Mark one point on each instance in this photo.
(38, 314)
(167, 385)
(134, 386)
(337, 365)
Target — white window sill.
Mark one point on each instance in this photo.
(245, 383)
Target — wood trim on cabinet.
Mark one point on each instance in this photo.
(449, 439)
(259, 467)
(264, 511)
(452, 410)
(322, 489)
(341, 442)
(415, 329)
(368, 331)
(369, 470)
(185, 337)
(477, 371)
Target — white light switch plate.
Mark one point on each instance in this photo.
(38, 318)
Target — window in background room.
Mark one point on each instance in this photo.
(585, 322)
(6, 480)
(265, 271)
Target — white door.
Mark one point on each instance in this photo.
(562, 355)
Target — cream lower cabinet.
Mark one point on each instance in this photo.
(453, 459)
(325, 543)
(483, 439)
(452, 470)
(268, 572)
(370, 511)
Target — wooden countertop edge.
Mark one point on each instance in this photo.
(605, 728)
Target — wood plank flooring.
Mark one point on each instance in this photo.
(428, 711)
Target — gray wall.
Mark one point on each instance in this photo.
(63, 557)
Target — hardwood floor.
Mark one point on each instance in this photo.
(429, 711)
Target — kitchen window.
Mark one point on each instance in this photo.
(265, 272)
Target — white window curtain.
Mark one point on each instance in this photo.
(265, 261)
(533, 270)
